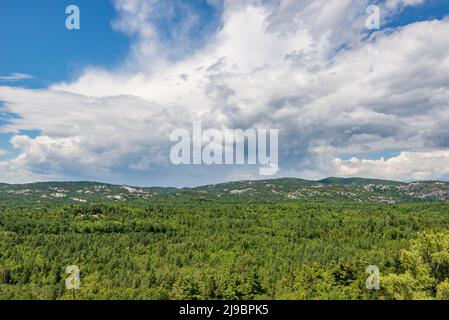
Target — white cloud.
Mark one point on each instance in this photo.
(16, 77)
(408, 166)
(395, 4)
(14, 171)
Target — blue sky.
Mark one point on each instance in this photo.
(35, 40)
(126, 42)
(435, 9)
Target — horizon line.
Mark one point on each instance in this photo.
(221, 183)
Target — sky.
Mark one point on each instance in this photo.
(100, 103)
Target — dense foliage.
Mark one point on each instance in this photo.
(213, 250)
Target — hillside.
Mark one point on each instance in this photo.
(285, 189)
(272, 239)
(359, 181)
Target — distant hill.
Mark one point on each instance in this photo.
(359, 181)
(275, 190)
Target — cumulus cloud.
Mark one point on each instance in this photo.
(408, 166)
(14, 171)
(309, 69)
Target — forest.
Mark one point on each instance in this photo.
(196, 249)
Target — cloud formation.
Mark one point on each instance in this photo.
(408, 166)
(309, 69)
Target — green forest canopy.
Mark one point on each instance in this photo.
(212, 250)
